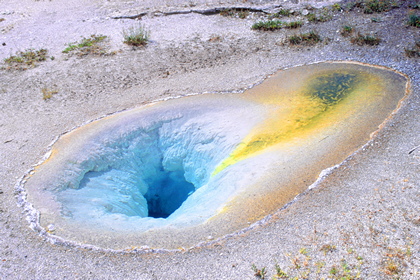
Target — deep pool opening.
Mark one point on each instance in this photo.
(155, 188)
(167, 194)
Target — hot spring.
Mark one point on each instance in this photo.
(173, 173)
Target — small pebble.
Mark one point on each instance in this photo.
(51, 227)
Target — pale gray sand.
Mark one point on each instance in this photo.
(365, 212)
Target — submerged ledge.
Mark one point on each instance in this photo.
(237, 158)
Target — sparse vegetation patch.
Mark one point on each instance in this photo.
(136, 36)
(322, 16)
(377, 6)
(308, 39)
(414, 20)
(260, 273)
(24, 60)
(336, 7)
(413, 51)
(282, 13)
(240, 13)
(372, 6)
(293, 24)
(269, 25)
(347, 30)
(47, 93)
(361, 40)
(414, 4)
(276, 24)
(88, 46)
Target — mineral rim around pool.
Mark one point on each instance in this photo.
(175, 172)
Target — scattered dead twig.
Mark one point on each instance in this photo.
(412, 150)
(207, 12)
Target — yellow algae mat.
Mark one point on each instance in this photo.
(179, 172)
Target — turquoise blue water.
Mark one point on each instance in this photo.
(147, 167)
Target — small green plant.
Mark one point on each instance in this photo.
(391, 267)
(319, 266)
(269, 25)
(285, 12)
(413, 51)
(312, 17)
(344, 272)
(88, 46)
(345, 267)
(136, 36)
(243, 14)
(336, 7)
(308, 39)
(24, 60)
(48, 93)
(362, 39)
(347, 30)
(414, 20)
(375, 19)
(303, 251)
(328, 248)
(260, 273)
(334, 270)
(280, 273)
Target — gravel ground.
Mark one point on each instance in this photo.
(361, 221)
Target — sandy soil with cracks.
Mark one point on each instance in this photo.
(361, 220)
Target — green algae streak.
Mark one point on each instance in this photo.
(316, 97)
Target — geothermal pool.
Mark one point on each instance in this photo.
(179, 172)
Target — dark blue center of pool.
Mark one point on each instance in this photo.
(167, 194)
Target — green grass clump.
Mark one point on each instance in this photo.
(280, 273)
(362, 39)
(308, 39)
(414, 20)
(136, 36)
(268, 25)
(377, 6)
(282, 13)
(276, 24)
(88, 46)
(294, 24)
(323, 17)
(336, 7)
(26, 59)
(312, 17)
(347, 30)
